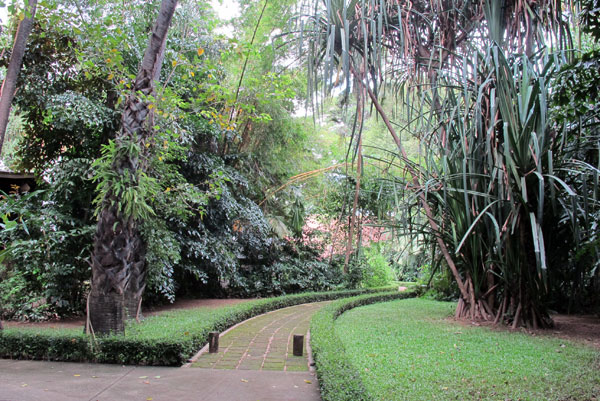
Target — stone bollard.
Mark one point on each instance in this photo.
(298, 344)
(213, 342)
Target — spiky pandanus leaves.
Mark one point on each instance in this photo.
(118, 256)
(492, 177)
(414, 48)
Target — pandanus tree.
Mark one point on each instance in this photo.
(118, 256)
(475, 78)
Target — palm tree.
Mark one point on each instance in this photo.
(118, 256)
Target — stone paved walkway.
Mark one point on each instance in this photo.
(264, 342)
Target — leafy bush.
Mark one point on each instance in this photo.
(47, 250)
(167, 340)
(298, 269)
(369, 268)
(338, 378)
(439, 282)
(378, 272)
(69, 345)
(16, 302)
(410, 266)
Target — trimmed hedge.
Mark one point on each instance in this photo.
(338, 378)
(169, 339)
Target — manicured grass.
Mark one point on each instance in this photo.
(339, 379)
(410, 350)
(167, 339)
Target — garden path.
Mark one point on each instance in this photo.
(255, 363)
(263, 342)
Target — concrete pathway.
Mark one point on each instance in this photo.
(255, 363)
(63, 381)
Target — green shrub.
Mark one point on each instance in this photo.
(68, 345)
(16, 301)
(408, 268)
(169, 339)
(378, 272)
(338, 378)
(440, 283)
(368, 269)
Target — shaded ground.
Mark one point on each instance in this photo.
(579, 328)
(179, 304)
(264, 342)
(585, 329)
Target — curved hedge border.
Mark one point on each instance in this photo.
(171, 349)
(338, 379)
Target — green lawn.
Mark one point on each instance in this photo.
(168, 339)
(409, 350)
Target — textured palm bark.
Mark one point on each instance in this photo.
(9, 85)
(118, 256)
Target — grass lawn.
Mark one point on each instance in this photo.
(409, 350)
(166, 325)
(168, 339)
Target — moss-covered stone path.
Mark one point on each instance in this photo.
(263, 342)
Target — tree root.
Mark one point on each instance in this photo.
(523, 315)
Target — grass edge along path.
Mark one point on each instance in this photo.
(415, 352)
(169, 339)
(338, 378)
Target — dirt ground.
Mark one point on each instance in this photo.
(579, 328)
(179, 304)
(582, 328)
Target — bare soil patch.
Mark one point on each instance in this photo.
(179, 304)
(584, 329)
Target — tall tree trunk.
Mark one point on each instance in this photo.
(7, 93)
(118, 256)
(349, 247)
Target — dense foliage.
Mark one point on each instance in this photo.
(488, 191)
(220, 142)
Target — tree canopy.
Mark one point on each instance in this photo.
(453, 142)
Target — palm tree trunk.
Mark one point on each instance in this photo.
(7, 93)
(118, 256)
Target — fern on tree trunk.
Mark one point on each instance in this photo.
(118, 256)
